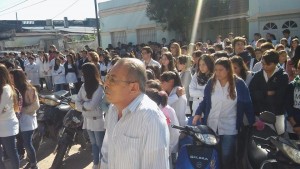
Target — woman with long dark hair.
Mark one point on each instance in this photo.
(9, 125)
(200, 78)
(28, 121)
(71, 70)
(240, 69)
(58, 75)
(89, 99)
(168, 62)
(226, 100)
(292, 68)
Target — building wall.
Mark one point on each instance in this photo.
(119, 16)
(278, 12)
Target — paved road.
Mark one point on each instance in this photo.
(78, 159)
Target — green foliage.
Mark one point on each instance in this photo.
(176, 15)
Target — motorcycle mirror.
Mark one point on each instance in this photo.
(267, 117)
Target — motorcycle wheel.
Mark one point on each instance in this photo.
(37, 139)
(61, 152)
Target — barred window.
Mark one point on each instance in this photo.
(289, 24)
(270, 26)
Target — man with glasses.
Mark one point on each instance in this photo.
(137, 134)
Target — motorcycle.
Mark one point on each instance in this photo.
(49, 116)
(202, 153)
(267, 149)
(72, 134)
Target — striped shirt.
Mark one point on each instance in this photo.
(139, 139)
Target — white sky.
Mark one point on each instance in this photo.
(47, 9)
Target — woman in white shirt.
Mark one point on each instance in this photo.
(226, 100)
(105, 65)
(47, 71)
(88, 101)
(170, 82)
(9, 125)
(28, 121)
(32, 72)
(58, 75)
(240, 69)
(199, 80)
(71, 70)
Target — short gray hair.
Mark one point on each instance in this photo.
(136, 71)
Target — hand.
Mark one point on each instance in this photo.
(180, 91)
(196, 119)
(297, 130)
(271, 93)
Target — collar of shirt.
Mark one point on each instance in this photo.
(132, 106)
(266, 76)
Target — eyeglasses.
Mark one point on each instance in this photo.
(111, 80)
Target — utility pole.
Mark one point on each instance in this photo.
(97, 24)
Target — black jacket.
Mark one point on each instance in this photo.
(258, 91)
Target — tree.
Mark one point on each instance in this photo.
(176, 15)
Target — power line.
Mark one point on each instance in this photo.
(24, 7)
(65, 9)
(14, 6)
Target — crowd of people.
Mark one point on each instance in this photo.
(225, 85)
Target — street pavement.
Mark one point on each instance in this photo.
(77, 159)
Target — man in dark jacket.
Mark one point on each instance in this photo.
(268, 88)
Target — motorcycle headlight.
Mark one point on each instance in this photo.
(208, 139)
(292, 153)
(50, 102)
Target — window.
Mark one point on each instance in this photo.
(270, 26)
(146, 35)
(117, 37)
(28, 22)
(289, 24)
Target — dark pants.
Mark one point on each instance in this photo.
(227, 151)
(9, 145)
(27, 142)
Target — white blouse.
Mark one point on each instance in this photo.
(9, 124)
(223, 112)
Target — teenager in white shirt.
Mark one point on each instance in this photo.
(199, 80)
(58, 75)
(88, 102)
(32, 72)
(9, 125)
(226, 100)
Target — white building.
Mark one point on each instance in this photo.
(274, 16)
(126, 21)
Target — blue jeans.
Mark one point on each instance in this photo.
(96, 138)
(9, 144)
(27, 142)
(227, 151)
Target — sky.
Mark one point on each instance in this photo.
(47, 9)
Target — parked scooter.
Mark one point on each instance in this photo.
(268, 150)
(202, 153)
(50, 117)
(72, 134)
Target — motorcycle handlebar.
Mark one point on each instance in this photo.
(262, 140)
(177, 127)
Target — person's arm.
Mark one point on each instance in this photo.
(194, 91)
(79, 99)
(257, 95)
(93, 103)
(4, 102)
(33, 100)
(155, 153)
(248, 103)
(202, 106)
